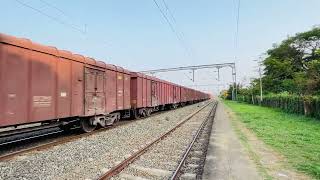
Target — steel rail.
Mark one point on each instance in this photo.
(70, 138)
(177, 171)
(58, 142)
(31, 137)
(5, 143)
(15, 132)
(118, 168)
(44, 146)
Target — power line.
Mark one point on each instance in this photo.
(51, 17)
(179, 30)
(55, 7)
(84, 33)
(59, 20)
(171, 14)
(66, 14)
(63, 13)
(172, 28)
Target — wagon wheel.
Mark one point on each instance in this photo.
(117, 118)
(148, 112)
(87, 125)
(143, 112)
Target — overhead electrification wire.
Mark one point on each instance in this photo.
(182, 36)
(172, 28)
(55, 7)
(66, 24)
(51, 17)
(172, 16)
(168, 9)
(63, 13)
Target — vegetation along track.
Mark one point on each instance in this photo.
(40, 141)
(164, 158)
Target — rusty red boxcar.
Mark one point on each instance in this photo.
(150, 94)
(41, 84)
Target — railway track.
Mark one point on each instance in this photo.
(152, 162)
(192, 162)
(8, 154)
(20, 138)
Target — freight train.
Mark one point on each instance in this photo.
(44, 85)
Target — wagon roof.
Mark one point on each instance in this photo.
(25, 43)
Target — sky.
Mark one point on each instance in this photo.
(135, 35)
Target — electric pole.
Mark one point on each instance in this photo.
(260, 78)
(261, 98)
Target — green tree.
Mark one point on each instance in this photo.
(293, 65)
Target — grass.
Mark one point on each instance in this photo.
(257, 160)
(294, 136)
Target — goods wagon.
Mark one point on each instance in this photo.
(40, 83)
(150, 94)
(43, 85)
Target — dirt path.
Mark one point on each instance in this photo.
(270, 164)
(227, 158)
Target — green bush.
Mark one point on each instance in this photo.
(288, 103)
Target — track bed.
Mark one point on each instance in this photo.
(91, 156)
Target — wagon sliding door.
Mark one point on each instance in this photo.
(154, 94)
(94, 92)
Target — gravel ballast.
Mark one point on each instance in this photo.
(90, 157)
(160, 161)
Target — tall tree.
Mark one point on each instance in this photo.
(293, 65)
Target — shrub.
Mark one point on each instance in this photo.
(305, 105)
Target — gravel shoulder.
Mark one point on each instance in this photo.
(226, 157)
(89, 157)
